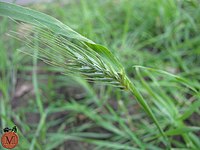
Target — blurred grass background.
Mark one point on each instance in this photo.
(53, 111)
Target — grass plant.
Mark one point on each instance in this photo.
(73, 54)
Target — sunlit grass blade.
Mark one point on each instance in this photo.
(176, 77)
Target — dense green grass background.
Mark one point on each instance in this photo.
(53, 111)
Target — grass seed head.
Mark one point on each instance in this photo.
(72, 56)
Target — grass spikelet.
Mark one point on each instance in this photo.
(74, 57)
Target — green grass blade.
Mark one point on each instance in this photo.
(177, 78)
(39, 19)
